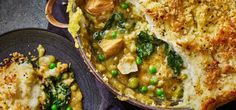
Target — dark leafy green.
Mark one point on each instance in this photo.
(114, 20)
(109, 23)
(121, 23)
(57, 93)
(147, 43)
(145, 49)
(175, 62)
(98, 35)
(158, 42)
(145, 46)
(145, 37)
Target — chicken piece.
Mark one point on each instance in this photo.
(111, 47)
(98, 7)
(127, 64)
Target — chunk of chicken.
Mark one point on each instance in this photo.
(127, 64)
(111, 47)
(97, 7)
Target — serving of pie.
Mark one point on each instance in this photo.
(38, 83)
(161, 53)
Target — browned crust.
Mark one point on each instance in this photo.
(213, 74)
(174, 14)
(10, 78)
(14, 57)
(225, 42)
(223, 45)
(212, 103)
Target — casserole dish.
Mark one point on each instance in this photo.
(139, 61)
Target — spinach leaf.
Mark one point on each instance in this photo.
(109, 23)
(175, 62)
(145, 49)
(121, 23)
(98, 35)
(147, 43)
(145, 37)
(144, 45)
(158, 42)
(56, 93)
(115, 19)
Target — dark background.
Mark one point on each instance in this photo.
(15, 14)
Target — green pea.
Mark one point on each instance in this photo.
(139, 61)
(152, 69)
(153, 81)
(101, 57)
(160, 93)
(54, 107)
(114, 73)
(124, 5)
(52, 65)
(114, 35)
(69, 108)
(133, 82)
(143, 89)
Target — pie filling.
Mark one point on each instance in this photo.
(129, 56)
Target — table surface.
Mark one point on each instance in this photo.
(15, 14)
(27, 13)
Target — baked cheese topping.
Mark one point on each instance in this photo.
(203, 32)
(49, 85)
(20, 88)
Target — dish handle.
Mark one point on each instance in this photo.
(50, 17)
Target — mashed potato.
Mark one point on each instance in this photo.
(20, 88)
(48, 85)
